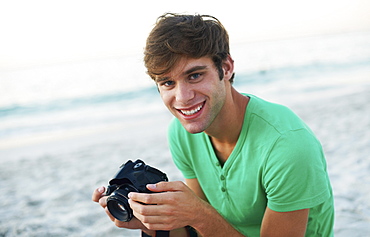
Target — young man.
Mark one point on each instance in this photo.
(252, 168)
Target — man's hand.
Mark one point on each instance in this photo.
(174, 205)
(99, 197)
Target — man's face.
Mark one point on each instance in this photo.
(193, 92)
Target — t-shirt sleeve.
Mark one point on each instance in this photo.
(177, 144)
(295, 174)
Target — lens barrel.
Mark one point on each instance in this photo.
(118, 206)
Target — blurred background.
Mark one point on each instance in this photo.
(75, 101)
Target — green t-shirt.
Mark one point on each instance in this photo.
(277, 162)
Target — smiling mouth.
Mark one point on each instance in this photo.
(192, 111)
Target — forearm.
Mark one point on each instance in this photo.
(210, 223)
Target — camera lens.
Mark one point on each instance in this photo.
(119, 208)
(122, 207)
(117, 203)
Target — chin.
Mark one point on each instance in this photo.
(192, 129)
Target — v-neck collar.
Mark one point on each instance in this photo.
(239, 144)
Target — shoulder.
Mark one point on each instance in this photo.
(298, 144)
(275, 116)
(295, 153)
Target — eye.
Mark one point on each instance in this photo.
(167, 83)
(194, 76)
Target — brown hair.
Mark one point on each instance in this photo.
(175, 36)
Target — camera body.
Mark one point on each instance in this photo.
(132, 177)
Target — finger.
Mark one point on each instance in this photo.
(103, 201)
(147, 198)
(133, 224)
(156, 217)
(148, 219)
(98, 193)
(166, 186)
(147, 210)
(109, 215)
(122, 224)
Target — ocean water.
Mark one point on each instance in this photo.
(65, 128)
(64, 97)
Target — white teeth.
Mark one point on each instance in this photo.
(193, 111)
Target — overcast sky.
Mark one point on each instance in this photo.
(34, 32)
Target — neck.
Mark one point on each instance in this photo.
(225, 130)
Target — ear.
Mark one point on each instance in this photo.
(228, 67)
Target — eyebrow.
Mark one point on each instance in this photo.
(194, 69)
(162, 79)
(187, 72)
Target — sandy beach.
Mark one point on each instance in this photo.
(56, 147)
(342, 124)
(46, 188)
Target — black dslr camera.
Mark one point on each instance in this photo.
(132, 177)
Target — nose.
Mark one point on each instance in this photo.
(184, 93)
